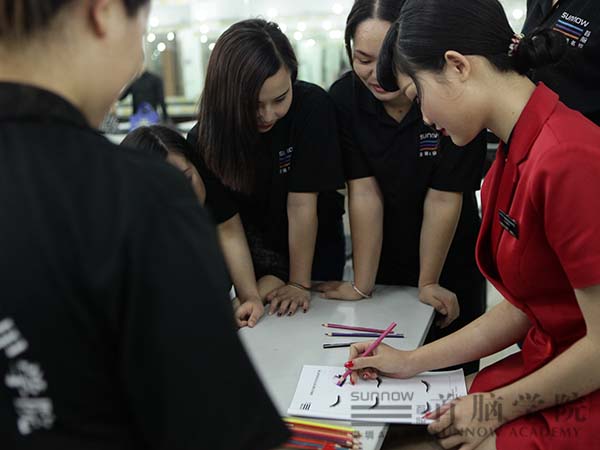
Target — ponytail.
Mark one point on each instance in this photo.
(541, 48)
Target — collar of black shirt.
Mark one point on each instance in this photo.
(19, 101)
(368, 103)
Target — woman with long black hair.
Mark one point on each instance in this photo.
(268, 153)
(413, 213)
(539, 243)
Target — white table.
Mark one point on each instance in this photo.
(280, 346)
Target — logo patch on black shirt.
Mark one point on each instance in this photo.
(285, 160)
(429, 144)
(575, 28)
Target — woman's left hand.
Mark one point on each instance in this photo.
(287, 299)
(466, 422)
(443, 301)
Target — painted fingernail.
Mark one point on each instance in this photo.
(352, 381)
(349, 365)
(427, 416)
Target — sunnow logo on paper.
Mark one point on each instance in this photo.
(429, 144)
(574, 28)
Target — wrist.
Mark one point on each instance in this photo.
(363, 294)
(414, 363)
(306, 283)
(255, 298)
(366, 288)
(299, 286)
(426, 283)
(509, 408)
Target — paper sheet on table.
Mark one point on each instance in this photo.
(393, 401)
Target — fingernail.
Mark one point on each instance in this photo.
(349, 365)
(352, 380)
(427, 415)
(365, 376)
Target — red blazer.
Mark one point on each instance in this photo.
(540, 239)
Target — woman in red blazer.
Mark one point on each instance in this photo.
(540, 240)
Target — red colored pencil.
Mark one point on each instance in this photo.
(321, 431)
(352, 328)
(344, 442)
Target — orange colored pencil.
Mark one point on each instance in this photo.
(328, 426)
(328, 433)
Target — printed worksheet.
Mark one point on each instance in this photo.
(385, 400)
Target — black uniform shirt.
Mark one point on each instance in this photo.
(576, 78)
(116, 332)
(299, 154)
(407, 159)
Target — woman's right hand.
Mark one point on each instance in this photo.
(247, 314)
(338, 290)
(384, 360)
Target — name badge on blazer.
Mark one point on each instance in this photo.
(509, 224)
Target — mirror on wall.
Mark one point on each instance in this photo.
(182, 33)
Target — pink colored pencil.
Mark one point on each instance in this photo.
(349, 327)
(369, 349)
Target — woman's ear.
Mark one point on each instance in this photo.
(99, 14)
(457, 65)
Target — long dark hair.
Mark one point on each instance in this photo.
(427, 29)
(158, 140)
(362, 10)
(22, 18)
(245, 55)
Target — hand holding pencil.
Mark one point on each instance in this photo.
(383, 360)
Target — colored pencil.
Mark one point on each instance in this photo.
(310, 423)
(298, 429)
(299, 446)
(343, 435)
(340, 433)
(338, 444)
(316, 443)
(341, 344)
(369, 349)
(363, 335)
(352, 328)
